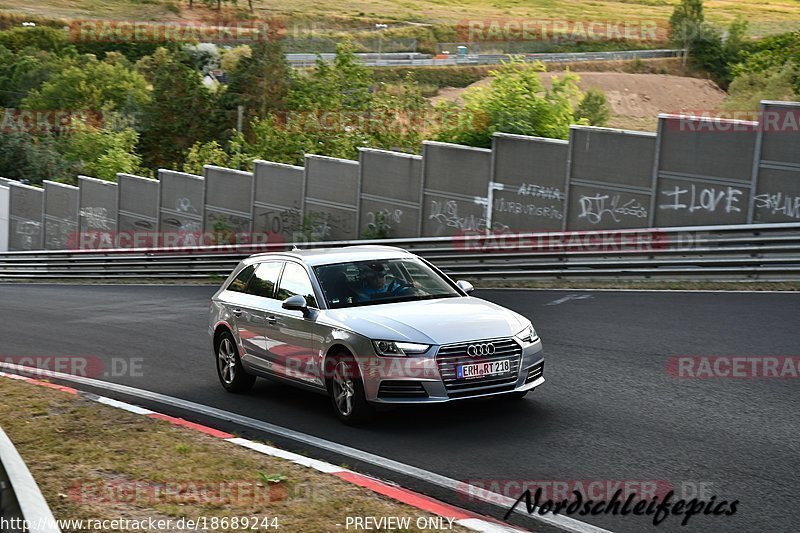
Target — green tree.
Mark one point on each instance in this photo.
(179, 112)
(259, 83)
(35, 158)
(771, 54)
(515, 101)
(717, 53)
(36, 38)
(200, 154)
(24, 71)
(102, 153)
(399, 116)
(110, 85)
(344, 84)
(749, 88)
(686, 25)
(230, 58)
(594, 108)
(326, 111)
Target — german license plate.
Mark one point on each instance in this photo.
(481, 370)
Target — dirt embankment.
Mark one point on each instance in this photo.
(637, 99)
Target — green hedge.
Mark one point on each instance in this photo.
(458, 76)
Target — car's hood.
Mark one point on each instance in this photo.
(441, 321)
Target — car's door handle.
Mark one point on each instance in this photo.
(272, 319)
(236, 312)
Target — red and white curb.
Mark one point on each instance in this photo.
(456, 515)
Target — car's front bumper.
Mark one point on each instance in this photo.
(418, 380)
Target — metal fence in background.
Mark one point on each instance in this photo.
(763, 252)
(414, 59)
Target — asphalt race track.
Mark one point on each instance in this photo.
(610, 409)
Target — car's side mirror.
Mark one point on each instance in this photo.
(296, 303)
(465, 286)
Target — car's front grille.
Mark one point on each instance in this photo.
(452, 355)
(401, 389)
(535, 372)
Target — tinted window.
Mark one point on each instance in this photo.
(264, 280)
(239, 283)
(295, 281)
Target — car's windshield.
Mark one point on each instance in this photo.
(383, 281)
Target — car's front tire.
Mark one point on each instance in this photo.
(346, 390)
(229, 366)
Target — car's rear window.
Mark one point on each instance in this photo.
(239, 283)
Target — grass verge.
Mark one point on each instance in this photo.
(765, 16)
(97, 462)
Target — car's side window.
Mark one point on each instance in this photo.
(295, 280)
(239, 283)
(263, 281)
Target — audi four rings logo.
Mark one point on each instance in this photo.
(474, 350)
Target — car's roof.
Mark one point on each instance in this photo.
(326, 256)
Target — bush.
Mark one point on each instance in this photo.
(594, 108)
(749, 88)
(516, 101)
(460, 76)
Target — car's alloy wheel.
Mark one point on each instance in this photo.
(347, 392)
(229, 366)
(343, 389)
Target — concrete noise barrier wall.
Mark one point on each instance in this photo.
(181, 200)
(391, 194)
(456, 189)
(279, 192)
(26, 212)
(97, 222)
(704, 172)
(5, 194)
(776, 170)
(228, 200)
(609, 179)
(60, 216)
(528, 182)
(332, 197)
(138, 210)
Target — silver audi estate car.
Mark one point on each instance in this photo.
(369, 326)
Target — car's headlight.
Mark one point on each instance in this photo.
(399, 349)
(527, 335)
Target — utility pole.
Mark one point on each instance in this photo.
(239, 117)
(380, 27)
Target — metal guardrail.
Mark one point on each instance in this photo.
(423, 60)
(21, 501)
(767, 252)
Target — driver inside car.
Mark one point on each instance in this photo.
(375, 285)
